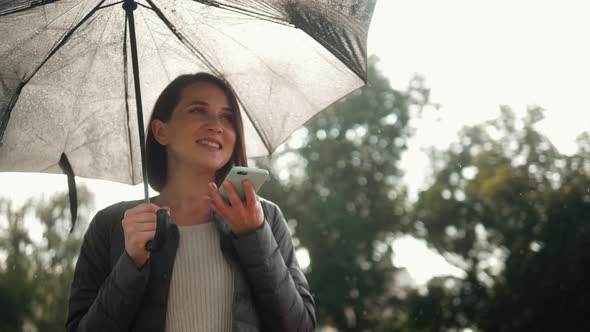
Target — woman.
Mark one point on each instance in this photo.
(223, 267)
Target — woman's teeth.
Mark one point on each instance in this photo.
(209, 143)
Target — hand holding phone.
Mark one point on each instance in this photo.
(238, 174)
(242, 218)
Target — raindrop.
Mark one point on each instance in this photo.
(292, 223)
(389, 120)
(321, 134)
(392, 195)
(446, 194)
(450, 283)
(362, 180)
(533, 169)
(466, 141)
(451, 231)
(535, 246)
(390, 180)
(474, 150)
(334, 132)
(459, 195)
(361, 131)
(469, 172)
(324, 192)
(350, 134)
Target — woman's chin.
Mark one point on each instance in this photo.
(210, 165)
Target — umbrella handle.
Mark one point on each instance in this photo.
(162, 223)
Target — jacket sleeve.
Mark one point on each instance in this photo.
(279, 285)
(102, 299)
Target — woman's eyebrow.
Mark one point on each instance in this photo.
(198, 103)
(204, 103)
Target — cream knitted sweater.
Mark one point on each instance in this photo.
(201, 287)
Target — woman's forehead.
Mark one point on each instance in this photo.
(204, 94)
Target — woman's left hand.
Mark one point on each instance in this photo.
(242, 217)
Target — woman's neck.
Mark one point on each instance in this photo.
(183, 194)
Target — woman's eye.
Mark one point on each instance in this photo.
(197, 110)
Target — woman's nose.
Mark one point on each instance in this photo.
(214, 124)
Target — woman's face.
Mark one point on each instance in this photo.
(200, 132)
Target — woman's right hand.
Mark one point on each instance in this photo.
(139, 226)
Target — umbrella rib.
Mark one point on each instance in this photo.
(110, 5)
(14, 99)
(182, 39)
(21, 9)
(49, 143)
(96, 140)
(340, 56)
(236, 9)
(46, 26)
(88, 69)
(262, 136)
(298, 21)
(158, 49)
(126, 78)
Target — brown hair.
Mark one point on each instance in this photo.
(165, 104)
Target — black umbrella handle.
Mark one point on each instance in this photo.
(162, 224)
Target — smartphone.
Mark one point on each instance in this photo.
(256, 176)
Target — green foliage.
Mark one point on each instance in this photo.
(512, 211)
(36, 276)
(344, 201)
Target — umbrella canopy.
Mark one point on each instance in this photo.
(66, 79)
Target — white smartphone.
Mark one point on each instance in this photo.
(237, 175)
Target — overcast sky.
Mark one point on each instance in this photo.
(477, 55)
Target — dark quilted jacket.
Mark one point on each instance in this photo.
(109, 293)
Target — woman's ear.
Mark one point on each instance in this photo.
(160, 131)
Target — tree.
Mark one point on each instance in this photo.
(338, 183)
(16, 276)
(35, 280)
(514, 213)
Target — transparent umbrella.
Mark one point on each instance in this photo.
(78, 78)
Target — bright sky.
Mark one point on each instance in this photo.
(475, 56)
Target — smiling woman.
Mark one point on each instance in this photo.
(194, 92)
(223, 267)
